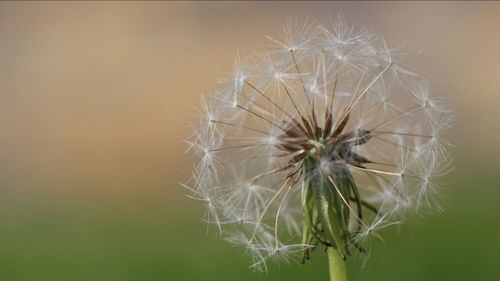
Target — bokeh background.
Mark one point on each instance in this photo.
(96, 99)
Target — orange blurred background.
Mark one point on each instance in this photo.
(99, 96)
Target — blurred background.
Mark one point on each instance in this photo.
(96, 100)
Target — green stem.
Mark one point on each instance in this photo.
(337, 265)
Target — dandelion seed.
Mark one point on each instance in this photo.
(321, 137)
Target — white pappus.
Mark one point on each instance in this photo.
(319, 137)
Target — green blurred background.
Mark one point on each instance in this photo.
(96, 99)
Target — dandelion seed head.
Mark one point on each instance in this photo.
(321, 136)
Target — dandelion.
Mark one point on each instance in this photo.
(321, 137)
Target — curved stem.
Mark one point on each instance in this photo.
(337, 265)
